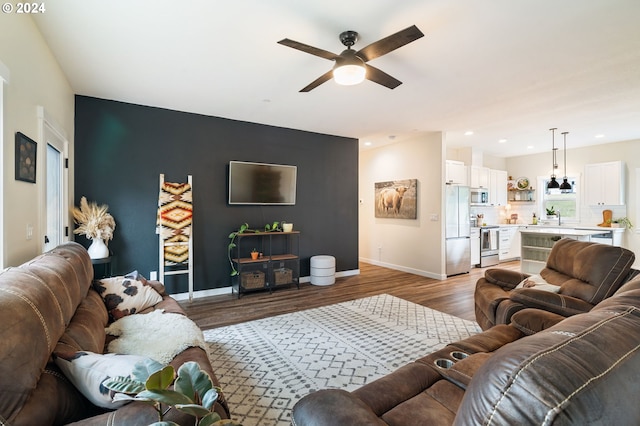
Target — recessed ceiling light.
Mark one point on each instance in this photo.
(599, 135)
(367, 143)
(502, 141)
(530, 146)
(468, 133)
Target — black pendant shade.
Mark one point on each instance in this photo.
(565, 186)
(553, 183)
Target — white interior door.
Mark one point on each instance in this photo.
(55, 193)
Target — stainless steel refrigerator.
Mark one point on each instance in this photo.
(457, 229)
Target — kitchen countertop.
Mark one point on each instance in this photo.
(559, 231)
(565, 227)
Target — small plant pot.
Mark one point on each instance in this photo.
(254, 255)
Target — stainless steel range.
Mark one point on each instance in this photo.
(489, 246)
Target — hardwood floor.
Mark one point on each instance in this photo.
(453, 296)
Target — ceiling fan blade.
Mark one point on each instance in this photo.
(390, 43)
(381, 77)
(318, 81)
(308, 49)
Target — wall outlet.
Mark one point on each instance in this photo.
(29, 231)
(434, 217)
(153, 275)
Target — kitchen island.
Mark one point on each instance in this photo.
(537, 241)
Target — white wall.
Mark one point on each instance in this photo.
(36, 80)
(409, 245)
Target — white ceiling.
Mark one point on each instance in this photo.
(507, 69)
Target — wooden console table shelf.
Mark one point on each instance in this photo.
(277, 266)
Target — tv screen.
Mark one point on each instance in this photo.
(260, 183)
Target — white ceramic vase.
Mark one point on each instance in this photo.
(98, 249)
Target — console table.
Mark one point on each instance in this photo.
(277, 265)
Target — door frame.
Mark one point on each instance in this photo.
(47, 124)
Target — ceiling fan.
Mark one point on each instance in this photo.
(351, 66)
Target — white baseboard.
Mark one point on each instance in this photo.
(405, 269)
(227, 290)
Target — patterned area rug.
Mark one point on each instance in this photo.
(266, 366)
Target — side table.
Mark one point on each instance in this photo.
(101, 267)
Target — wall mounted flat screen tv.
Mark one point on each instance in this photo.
(261, 183)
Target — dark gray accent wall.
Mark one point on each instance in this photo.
(121, 149)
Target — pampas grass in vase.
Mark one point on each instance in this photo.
(95, 223)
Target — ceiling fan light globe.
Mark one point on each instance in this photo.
(349, 75)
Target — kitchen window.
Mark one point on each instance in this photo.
(567, 203)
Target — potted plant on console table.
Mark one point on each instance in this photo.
(244, 228)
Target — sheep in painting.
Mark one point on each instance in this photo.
(391, 198)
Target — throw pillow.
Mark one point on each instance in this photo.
(125, 296)
(88, 370)
(538, 283)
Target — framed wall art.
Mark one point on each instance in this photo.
(396, 199)
(26, 155)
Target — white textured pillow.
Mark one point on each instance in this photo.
(126, 296)
(538, 283)
(87, 370)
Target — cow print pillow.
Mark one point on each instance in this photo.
(125, 296)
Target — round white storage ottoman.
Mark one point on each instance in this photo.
(323, 270)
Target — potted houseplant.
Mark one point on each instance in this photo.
(254, 254)
(244, 228)
(193, 391)
(551, 213)
(95, 223)
(621, 222)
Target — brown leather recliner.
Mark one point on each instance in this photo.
(581, 370)
(586, 272)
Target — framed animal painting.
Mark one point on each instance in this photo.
(397, 199)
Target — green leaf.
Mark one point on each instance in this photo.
(193, 409)
(210, 420)
(124, 385)
(209, 398)
(165, 396)
(161, 379)
(144, 369)
(193, 381)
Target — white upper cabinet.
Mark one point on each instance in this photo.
(604, 184)
(498, 187)
(456, 172)
(480, 177)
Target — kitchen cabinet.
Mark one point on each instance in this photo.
(479, 177)
(604, 184)
(475, 246)
(497, 187)
(456, 172)
(508, 243)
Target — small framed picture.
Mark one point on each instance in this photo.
(26, 150)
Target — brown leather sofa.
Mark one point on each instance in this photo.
(570, 371)
(586, 272)
(48, 304)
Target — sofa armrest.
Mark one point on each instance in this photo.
(553, 302)
(333, 407)
(531, 320)
(504, 278)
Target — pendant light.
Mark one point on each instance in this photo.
(565, 186)
(553, 184)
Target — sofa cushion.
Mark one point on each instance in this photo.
(126, 296)
(87, 371)
(589, 271)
